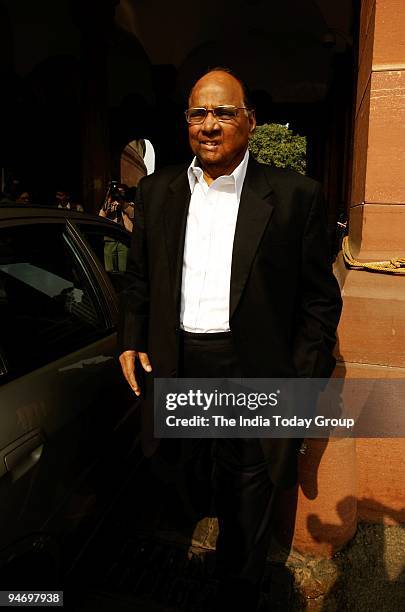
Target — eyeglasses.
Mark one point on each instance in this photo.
(221, 113)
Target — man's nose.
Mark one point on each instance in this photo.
(210, 122)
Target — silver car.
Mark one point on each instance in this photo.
(68, 421)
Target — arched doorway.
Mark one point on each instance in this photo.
(137, 160)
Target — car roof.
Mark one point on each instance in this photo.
(24, 211)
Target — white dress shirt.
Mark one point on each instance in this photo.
(208, 249)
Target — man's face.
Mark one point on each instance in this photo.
(219, 146)
(23, 198)
(61, 197)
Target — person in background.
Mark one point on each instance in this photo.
(118, 209)
(15, 193)
(63, 200)
(23, 196)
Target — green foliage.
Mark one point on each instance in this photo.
(275, 144)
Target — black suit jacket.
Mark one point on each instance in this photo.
(284, 300)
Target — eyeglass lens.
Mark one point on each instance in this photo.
(222, 113)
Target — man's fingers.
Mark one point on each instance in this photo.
(144, 359)
(133, 383)
(127, 361)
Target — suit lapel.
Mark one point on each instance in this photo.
(255, 210)
(175, 213)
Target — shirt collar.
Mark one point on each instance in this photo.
(195, 173)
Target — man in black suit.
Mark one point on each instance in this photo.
(231, 276)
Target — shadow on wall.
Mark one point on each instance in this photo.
(370, 570)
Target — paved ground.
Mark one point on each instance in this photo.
(367, 576)
(150, 557)
(153, 555)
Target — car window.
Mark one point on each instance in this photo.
(111, 247)
(47, 305)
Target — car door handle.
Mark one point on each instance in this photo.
(22, 454)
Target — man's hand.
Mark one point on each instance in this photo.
(127, 361)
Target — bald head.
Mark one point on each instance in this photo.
(225, 74)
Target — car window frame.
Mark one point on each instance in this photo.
(81, 259)
(102, 284)
(104, 226)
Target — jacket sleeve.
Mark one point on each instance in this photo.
(134, 300)
(319, 302)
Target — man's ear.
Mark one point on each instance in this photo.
(252, 121)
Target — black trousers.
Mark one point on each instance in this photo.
(243, 492)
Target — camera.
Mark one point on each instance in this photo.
(115, 192)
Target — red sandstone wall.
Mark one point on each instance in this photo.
(343, 481)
